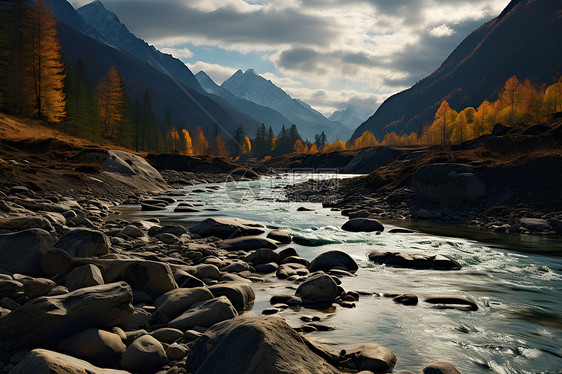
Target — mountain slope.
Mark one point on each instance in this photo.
(62, 10)
(253, 87)
(352, 116)
(188, 107)
(261, 113)
(110, 27)
(524, 40)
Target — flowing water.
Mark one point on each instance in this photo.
(517, 329)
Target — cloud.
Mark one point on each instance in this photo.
(328, 101)
(178, 52)
(218, 73)
(441, 31)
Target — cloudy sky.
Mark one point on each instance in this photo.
(326, 52)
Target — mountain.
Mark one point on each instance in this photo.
(524, 40)
(62, 10)
(188, 107)
(108, 25)
(251, 86)
(261, 113)
(352, 116)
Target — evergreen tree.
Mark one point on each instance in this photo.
(283, 141)
(110, 93)
(270, 139)
(138, 121)
(13, 85)
(127, 130)
(149, 124)
(239, 136)
(82, 116)
(259, 144)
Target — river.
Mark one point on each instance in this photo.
(517, 329)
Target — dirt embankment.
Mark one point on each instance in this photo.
(496, 181)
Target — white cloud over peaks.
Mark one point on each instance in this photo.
(178, 52)
(441, 31)
(218, 73)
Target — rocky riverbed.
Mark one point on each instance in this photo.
(83, 290)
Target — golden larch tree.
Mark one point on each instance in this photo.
(200, 143)
(298, 147)
(110, 95)
(246, 146)
(45, 73)
(187, 146)
(173, 139)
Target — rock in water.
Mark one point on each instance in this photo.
(363, 225)
(250, 243)
(84, 243)
(250, 345)
(414, 260)
(42, 361)
(462, 302)
(281, 236)
(333, 260)
(440, 368)
(227, 227)
(240, 294)
(372, 357)
(22, 252)
(144, 355)
(47, 320)
(318, 288)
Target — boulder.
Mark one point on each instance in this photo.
(250, 345)
(22, 252)
(176, 352)
(153, 277)
(535, 224)
(268, 268)
(319, 287)
(208, 271)
(35, 287)
(144, 355)
(536, 129)
(499, 129)
(363, 225)
(227, 227)
(262, 256)
(140, 319)
(406, 299)
(99, 347)
(83, 276)
(247, 243)
(436, 182)
(167, 238)
(440, 368)
(42, 361)
(452, 300)
(281, 236)
(47, 320)
(84, 242)
(288, 270)
(132, 231)
(22, 223)
(414, 260)
(240, 294)
(167, 335)
(372, 357)
(333, 260)
(556, 225)
(205, 314)
(175, 302)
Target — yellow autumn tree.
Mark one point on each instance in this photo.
(246, 146)
(110, 95)
(45, 71)
(298, 147)
(220, 147)
(553, 97)
(367, 139)
(200, 143)
(173, 139)
(186, 145)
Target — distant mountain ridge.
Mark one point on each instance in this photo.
(188, 107)
(524, 40)
(253, 87)
(261, 113)
(108, 25)
(352, 116)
